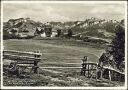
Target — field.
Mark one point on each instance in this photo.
(56, 55)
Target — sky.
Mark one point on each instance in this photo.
(45, 12)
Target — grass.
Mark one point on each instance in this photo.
(65, 78)
(55, 51)
(60, 53)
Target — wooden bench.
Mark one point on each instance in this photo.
(24, 59)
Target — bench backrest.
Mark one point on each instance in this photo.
(22, 57)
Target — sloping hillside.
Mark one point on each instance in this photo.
(21, 25)
(105, 29)
(90, 27)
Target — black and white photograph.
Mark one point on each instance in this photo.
(64, 44)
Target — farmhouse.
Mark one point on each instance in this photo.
(23, 34)
(48, 31)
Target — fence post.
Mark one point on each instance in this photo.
(101, 76)
(109, 75)
(35, 67)
(36, 62)
(88, 70)
(84, 65)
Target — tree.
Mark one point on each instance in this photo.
(118, 44)
(6, 34)
(58, 32)
(70, 33)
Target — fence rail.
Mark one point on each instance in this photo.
(19, 55)
(22, 52)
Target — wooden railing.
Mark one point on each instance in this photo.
(88, 69)
(112, 74)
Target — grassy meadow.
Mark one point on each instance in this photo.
(57, 53)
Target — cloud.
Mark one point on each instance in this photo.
(63, 11)
(108, 10)
(55, 16)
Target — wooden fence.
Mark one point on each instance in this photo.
(92, 70)
(112, 74)
(89, 69)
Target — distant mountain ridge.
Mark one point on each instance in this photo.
(94, 27)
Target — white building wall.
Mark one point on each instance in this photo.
(43, 35)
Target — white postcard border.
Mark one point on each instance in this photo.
(42, 87)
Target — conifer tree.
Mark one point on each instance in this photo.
(118, 45)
